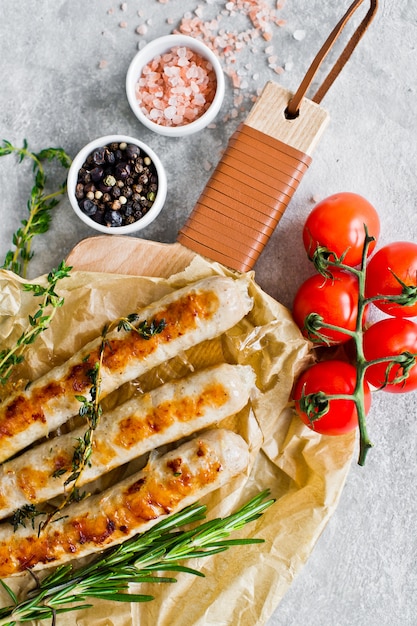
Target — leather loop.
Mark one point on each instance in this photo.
(294, 103)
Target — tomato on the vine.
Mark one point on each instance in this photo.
(334, 299)
(397, 259)
(337, 223)
(332, 378)
(391, 337)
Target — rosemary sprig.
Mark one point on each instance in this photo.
(91, 408)
(40, 203)
(163, 548)
(40, 321)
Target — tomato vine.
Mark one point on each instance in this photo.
(312, 407)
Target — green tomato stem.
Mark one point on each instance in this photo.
(358, 395)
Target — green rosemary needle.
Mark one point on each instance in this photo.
(163, 548)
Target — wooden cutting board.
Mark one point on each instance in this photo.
(304, 472)
(129, 255)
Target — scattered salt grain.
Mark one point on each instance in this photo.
(262, 17)
(299, 35)
(122, 24)
(102, 65)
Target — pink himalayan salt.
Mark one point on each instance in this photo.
(176, 88)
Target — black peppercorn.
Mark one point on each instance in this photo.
(132, 151)
(89, 207)
(97, 173)
(98, 156)
(122, 170)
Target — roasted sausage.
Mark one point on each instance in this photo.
(169, 483)
(192, 314)
(163, 415)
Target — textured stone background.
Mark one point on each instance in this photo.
(53, 92)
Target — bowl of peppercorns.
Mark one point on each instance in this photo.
(117, 185)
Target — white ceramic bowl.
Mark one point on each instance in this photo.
(161, 192)
(160, 46)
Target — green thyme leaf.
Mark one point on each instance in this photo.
(40, 204)
(37, 323)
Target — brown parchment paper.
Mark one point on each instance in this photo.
(304, 471)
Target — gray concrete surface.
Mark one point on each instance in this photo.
(62, 67)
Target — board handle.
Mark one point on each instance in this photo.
(244, 199)
(263, 165)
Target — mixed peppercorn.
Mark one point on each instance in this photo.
(117, 184)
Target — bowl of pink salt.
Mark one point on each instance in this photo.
(175, 85)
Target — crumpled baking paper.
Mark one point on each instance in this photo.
(304, 471)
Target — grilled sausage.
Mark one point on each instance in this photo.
(175, 480)
(174, 410)
(192, 314)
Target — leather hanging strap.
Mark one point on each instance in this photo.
(294, 104)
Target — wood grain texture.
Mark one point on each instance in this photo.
(302, 133)
(129, 255)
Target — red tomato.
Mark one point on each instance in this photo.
(399, 258)
(390, 337)
(337, 223)
(334, 299)
(331, 377)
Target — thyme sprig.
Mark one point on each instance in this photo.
(163, 548)
(39, 322)
(91, 408)
(26, 512)
(39, 205)
(316, 405)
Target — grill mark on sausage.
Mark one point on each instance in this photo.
(134, 429)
